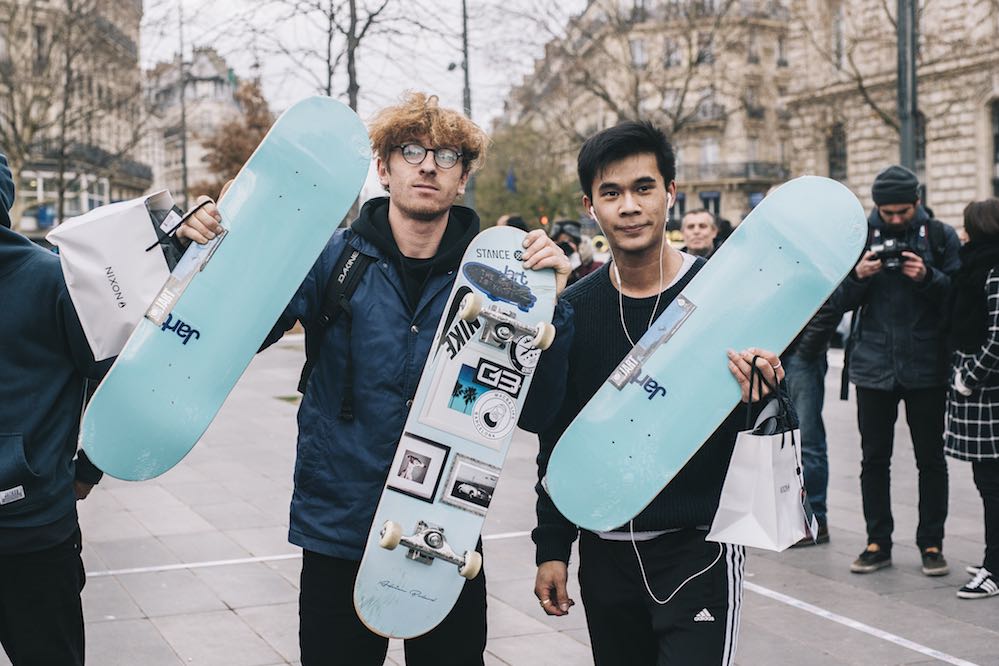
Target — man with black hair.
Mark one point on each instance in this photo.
(45, 361)
(895, 354)
(678, 601)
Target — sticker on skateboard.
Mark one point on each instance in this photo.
(443, 478)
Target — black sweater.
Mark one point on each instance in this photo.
(598, 346)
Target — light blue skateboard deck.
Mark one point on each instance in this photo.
(674, 389)
(222, 298)
(456, 437)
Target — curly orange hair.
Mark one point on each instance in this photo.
(421, 115)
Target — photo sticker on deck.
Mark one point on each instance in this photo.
(470, 485)
(418, 466)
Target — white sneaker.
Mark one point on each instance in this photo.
(984, 584)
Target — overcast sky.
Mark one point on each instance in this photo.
(503, 42)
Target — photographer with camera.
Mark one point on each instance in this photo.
(896, 354)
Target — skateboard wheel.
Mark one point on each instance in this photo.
(391, 535)
(471, 306)
(473, 564)
(544, 337)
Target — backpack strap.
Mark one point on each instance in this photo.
(342, 282)
(937, 239)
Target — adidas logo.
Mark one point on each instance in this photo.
(704, 616)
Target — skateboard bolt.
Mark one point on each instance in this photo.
(435, 540)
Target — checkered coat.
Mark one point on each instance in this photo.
(972, 422)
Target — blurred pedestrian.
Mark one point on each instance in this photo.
(896, 354)
(971, 427)
(700, 230)
(567, 234)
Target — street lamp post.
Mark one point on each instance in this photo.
(467, 94)
(907, 104)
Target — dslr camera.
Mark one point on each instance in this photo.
(890, 251)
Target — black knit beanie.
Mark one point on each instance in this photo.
(895, 185)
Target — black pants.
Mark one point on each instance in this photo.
(986, 473)
(877, 412)
(698, 627)
(331, 633)
(41, 617)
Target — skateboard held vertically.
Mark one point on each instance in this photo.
(421, 548)
(222, 298)
(674, 389)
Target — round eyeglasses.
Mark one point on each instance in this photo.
(414, 153)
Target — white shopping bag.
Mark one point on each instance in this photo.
(763, 502)
(114, 265)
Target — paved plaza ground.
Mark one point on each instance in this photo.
(194, 567)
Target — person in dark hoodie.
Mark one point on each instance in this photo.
(424, 157)
(896, 354)
(44, 362)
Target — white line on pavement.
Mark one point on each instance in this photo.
(859, 626)
(247, 560)
(752, 587)
(505, 535)
(193, 565)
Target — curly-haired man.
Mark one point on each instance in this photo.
(416, 236)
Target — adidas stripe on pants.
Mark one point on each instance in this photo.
(698, 626)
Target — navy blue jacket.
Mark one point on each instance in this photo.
(898, 341)
(342, 464)
(44, 358)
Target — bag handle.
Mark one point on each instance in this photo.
(757, 379)
(184, 219)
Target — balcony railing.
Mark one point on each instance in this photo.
(772, 171)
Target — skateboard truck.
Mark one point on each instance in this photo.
(500, 327)
(426, 544)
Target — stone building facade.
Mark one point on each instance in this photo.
(842, 100)
(788, 87)
(710, 72)
(70, 106)
(210, 90)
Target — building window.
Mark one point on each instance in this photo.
(753, 48)
(839, 37)
(711, 201)
(781, 51)
(752, 149)
(705, 51)
(709, 151)
(995, 148)
(41, 49)
(836, 151)
(672, 56)
(638, 53)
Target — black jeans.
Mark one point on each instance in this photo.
(699, 626)
(41, 617)
(986, 473)
(877, 412)
(330, 632)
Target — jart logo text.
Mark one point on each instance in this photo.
(180, 328)
(519, 277)
(650, 385)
